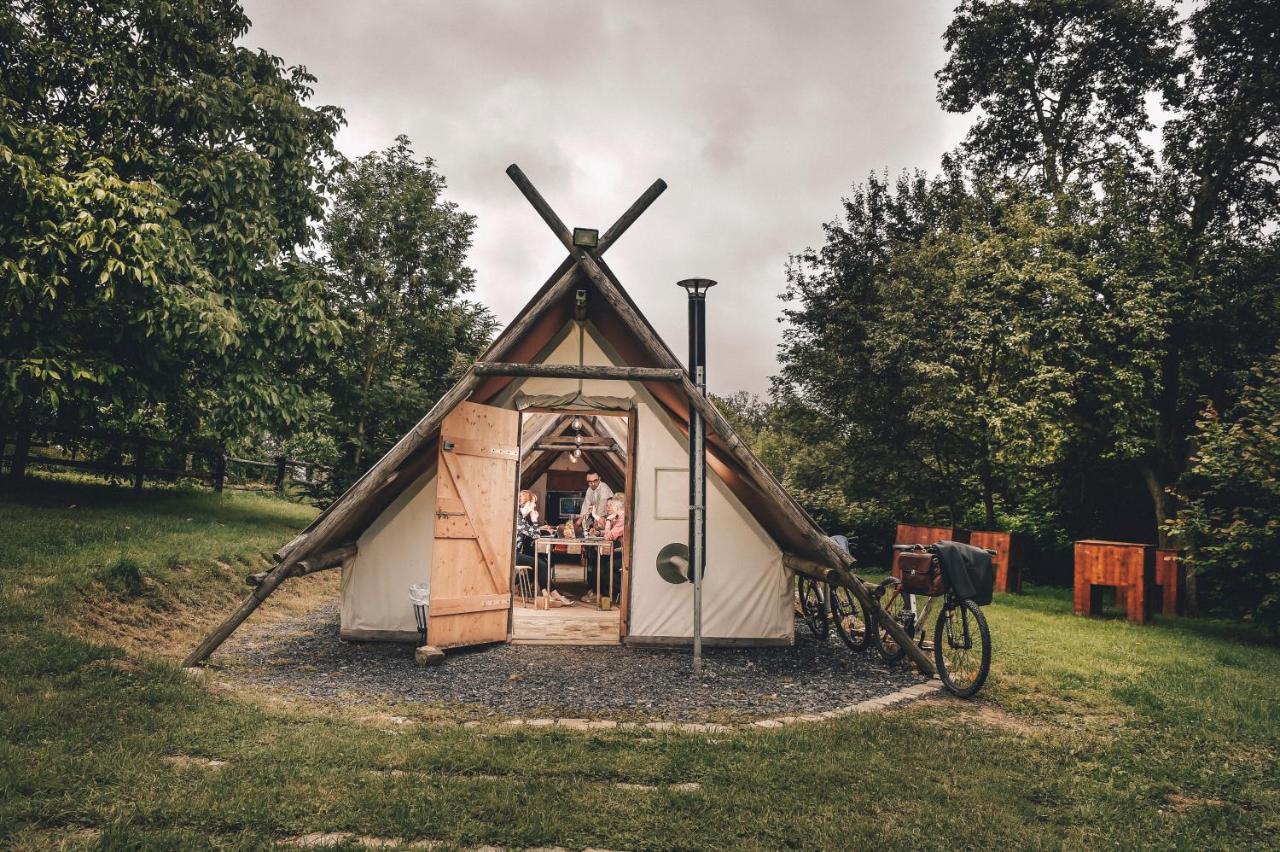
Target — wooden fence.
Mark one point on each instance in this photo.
(138, 458)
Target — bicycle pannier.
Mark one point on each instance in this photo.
(921, 574)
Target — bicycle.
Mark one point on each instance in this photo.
(963, 663)
(813, 605)
(848, 614)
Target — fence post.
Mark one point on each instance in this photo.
(139, 461)
(281, 468)
(219, 466)
(21, 443)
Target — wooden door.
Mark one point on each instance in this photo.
(479, 458)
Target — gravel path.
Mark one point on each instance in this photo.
(305, 657)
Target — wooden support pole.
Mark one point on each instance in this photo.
(139, 464)
(575, 371)
(321, 562)
(628, 218)
(219, 467)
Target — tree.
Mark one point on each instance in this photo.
(1061, 84)
(1230, 514)
(396, 251)
(158, 181)
(1062, 90)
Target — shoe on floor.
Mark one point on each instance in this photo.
(589, 598)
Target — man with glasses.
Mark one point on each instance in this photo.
(594, 503)
(595, 509)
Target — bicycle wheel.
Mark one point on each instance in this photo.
(893, 604)
(813, 606)
(851, 618)
(962, 648)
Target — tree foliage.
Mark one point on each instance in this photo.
(158, 181)
(1028, 338)
(395, 251)
(1230, 514)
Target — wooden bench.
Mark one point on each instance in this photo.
(1127, 567)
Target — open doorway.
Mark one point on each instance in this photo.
(570, 581)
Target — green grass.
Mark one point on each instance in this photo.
(1090, 732)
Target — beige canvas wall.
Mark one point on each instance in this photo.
(392, 554)
(745, 592)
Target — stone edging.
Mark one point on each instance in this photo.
(909, 693)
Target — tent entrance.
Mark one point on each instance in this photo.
(557, 449)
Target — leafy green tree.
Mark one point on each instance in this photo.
(1230, 514)
(1060, 85)
(158, 181)
(1062, 88)
(396, 250)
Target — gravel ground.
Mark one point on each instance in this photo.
(304, 657)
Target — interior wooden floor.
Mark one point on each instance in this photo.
(568, 625)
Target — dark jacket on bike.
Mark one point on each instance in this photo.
(968, 570)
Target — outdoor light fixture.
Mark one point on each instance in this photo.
(586, 237)
(577, 423)
(697, 289)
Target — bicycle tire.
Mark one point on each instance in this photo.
(813, 607)
(889, 649)
(961, 683)
(851, 618)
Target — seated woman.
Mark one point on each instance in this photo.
(527, 532)
(613, 530)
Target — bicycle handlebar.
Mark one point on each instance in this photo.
(906, 548)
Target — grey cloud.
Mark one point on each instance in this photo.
(759, 115)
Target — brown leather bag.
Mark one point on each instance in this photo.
(921, 574)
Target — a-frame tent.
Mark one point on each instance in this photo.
(447, 480)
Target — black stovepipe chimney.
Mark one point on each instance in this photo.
(697, 289)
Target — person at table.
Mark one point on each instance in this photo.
(527, 533)
(613, 531)
(594, 503)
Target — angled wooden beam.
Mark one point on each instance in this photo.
(574, 371)
(321, 562)
(627, 219)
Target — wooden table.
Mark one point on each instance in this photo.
(603, 547)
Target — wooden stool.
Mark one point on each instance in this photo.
(1128, 568)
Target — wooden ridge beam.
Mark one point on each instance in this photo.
(574, 371)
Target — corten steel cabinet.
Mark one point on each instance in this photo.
(1171, 583)
(1008, 558)
(1127, 567)
(922, 534)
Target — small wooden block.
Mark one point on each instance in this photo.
(428, 655)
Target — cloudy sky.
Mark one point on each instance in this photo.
(758, 115)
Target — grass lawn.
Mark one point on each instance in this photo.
(1089, 732)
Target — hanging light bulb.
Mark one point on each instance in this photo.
(577, 439)
(577, 423)
(576, 455)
